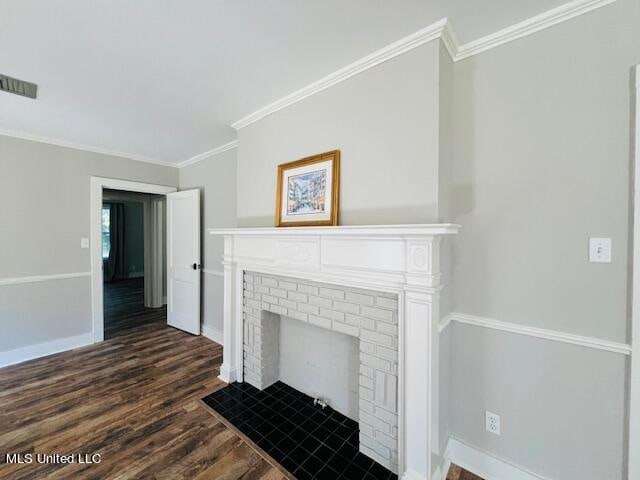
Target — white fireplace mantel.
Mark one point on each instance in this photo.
(401, 259)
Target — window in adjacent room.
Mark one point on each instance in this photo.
(106, 237)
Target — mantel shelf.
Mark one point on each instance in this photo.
(408, 230)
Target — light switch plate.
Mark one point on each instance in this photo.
(600, 250)
(84, 243)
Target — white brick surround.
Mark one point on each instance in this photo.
(370, 316)
(401, 260)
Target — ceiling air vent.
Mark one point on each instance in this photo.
(19, 87)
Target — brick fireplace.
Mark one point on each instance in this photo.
(369, 316)
(380, 284)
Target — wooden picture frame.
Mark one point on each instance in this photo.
(308, 191)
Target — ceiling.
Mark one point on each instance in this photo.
(164, 79)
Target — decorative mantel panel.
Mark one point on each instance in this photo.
(400, 259)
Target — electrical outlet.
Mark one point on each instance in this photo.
(84, 243)
(492, 422)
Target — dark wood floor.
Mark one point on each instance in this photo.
(124, 307)
(457, 473)
(133, 399)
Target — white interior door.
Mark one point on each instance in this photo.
(183, 260)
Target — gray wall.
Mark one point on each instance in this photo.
(44, 193)
(216, 178)
(385, 123)
(542, 154)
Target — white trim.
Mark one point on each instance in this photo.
(445, 322)
(209, 153)
(41, 278)
(30, 352)
(485, 464)
(412, 475)
(440, 29)
(529, 26)
(427, 34)
(84, 148)
(213, 272)
(444, 469)
(97, 288)
(544, 333)
(634, 384)
(212, 334)
(404, 259)
(355, 231)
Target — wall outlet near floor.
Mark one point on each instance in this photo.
(492, 422)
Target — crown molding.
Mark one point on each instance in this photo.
(529, 26)
(208, 153)
(392, 50)
(543, 333)
(85, 148)
(442, 30)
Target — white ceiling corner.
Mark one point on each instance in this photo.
(160, 82)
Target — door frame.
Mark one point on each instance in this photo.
(634, 383)
(97, 287)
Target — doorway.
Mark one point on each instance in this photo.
(182, 256)
(133, 253)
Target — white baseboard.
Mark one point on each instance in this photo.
(212, 334)
(442, 470)
(227, 375)
(22, 354)
(484, 464)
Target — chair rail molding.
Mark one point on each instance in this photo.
(42, 278)
(401, 259)
(543, 333)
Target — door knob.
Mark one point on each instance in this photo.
(196, 266)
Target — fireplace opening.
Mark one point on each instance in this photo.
(321, 363)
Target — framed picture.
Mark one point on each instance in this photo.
(307, 193)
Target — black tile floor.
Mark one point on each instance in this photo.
(304, 439)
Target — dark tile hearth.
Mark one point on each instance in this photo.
(304, 439)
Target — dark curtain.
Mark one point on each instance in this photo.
(115, 265)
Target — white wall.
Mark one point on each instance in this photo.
(44, 198)
(216, 179)
(542, 162)
(384, 121)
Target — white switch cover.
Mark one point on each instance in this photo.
(84, 243)
(600, 250)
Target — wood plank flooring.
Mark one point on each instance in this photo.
(133, 399)
(124, 307)
(457, 473)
